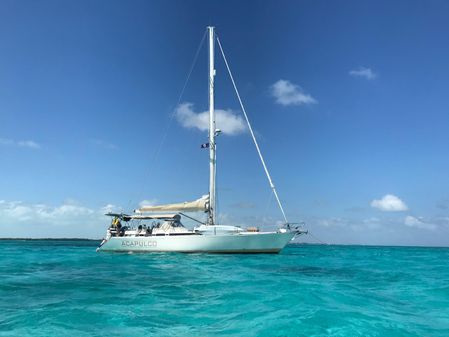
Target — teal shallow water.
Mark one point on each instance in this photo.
(65, 288)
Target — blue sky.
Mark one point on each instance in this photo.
(349, 101)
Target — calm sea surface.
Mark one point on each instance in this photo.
(65, 288)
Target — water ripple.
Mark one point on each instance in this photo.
(66, 288)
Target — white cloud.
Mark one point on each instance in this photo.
(150, 202)
(20, 143)
(372, 223)
(104, 144)
(18, 211)
(331, 222)
(363, 72)
(411, 221)
(288, 93)
(20, 219)
(226, 120)
(109, 208)
(389, 203)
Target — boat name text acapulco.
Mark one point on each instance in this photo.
(139, 243)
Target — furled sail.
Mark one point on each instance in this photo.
(202, 204)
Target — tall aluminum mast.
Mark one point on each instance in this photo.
(212, 129)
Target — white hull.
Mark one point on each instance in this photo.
(269, 242)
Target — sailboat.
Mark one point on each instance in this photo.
(159, 228)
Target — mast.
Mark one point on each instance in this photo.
(212, 153)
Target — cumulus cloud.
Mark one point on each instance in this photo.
(21, 219)
(288, 93)
(226, 120)
(388, 229)
(372, 223)
(389, 203)
(363, 72)
(150, 202)
(411, 221)
(20, 143)
(110, 208)
(18, 211)
(331, 222)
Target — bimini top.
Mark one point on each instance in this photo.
(126, 217)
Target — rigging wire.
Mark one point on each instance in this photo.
(313, 236)
(191, 218)
(172, 114)
(252, 133)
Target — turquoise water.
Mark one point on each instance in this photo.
(65, 288)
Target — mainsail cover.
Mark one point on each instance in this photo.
(202, 204)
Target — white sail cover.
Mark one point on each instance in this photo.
(201, 204)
